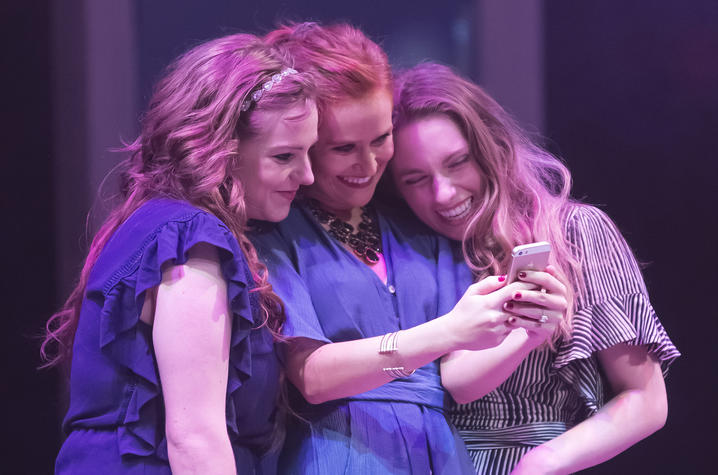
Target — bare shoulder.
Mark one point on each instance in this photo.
(202, 259)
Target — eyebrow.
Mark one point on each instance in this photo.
(348, 141)
(278, 148)
(408, 171)
(448, 158)
(455, 154)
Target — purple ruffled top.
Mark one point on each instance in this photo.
(116, 406)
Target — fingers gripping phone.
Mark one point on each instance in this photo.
(528, 257)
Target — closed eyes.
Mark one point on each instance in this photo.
(414, 180)
(283, 157)
(381, 140)
(459, 161)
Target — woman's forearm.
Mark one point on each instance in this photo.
(338, 370)
(628, 418)
(469, 375)
(201, 452)
(638, 409)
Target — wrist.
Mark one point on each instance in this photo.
(448, 335)
(542, 459)
(523, 341)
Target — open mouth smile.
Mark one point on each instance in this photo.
(457, 212)
(355, 181)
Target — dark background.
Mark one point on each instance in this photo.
(630, 102)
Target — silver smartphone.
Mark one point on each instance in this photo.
(532, 256)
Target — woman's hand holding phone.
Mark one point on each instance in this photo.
(544, 305)
(529, 296)
(479, 319)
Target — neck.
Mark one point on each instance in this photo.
(350, 215)
(359, 233)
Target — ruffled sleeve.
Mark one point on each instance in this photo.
(278, 255)
(612, 304)
(128, 342)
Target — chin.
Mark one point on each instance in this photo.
(363, 199)
(276, 217)
(273, 216)
(363, 202)
(350, 203)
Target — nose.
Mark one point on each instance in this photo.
(367, 163)
(444, 190)
(303, 172)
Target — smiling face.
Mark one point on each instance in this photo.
(354, 146)
(275, 161)
(435, 173)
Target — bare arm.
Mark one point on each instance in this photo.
(191, 335)
(469, 375)
(639, 406)
(638, 409)
(324, 372)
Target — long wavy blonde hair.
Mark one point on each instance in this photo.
(188, 150)
(527, 194)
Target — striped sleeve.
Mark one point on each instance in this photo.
(612, 304)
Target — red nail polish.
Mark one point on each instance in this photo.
(509, 305)
(522, 274)
(502, 278)
(517, 295)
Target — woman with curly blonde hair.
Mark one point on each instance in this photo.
(170, 329)
(596, 387)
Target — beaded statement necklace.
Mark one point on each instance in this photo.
(365, 242)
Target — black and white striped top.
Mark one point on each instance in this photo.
(552, 391)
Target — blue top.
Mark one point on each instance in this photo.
(331, 296)
(116, 417)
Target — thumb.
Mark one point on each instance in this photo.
(488, 284)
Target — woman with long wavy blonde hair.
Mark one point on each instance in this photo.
(170, 328)
(469, 172)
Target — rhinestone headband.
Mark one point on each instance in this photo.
(267, 86)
